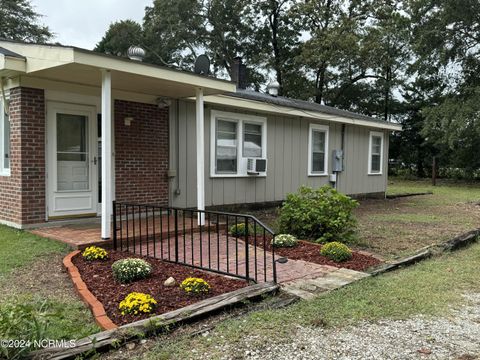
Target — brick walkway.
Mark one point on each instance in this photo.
(217, 252)
(86, 233)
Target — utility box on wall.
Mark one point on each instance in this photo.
(337, 161)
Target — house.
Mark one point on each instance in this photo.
(80, 129)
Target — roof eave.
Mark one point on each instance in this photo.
(254, 105)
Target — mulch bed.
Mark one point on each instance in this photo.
(99, 279)
(310, 252)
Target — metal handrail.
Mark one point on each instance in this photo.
(134, 214)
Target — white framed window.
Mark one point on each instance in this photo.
(318, 150)
(234, 139)
(375, 153)
(4, 141)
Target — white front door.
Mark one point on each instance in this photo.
(72, 160)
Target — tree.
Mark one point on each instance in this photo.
(173, 31)
(120, 36)
(19, 21)
(447, 38)
(278, 44)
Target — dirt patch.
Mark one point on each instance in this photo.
(45, 277)
(310, 252)
(99, 279)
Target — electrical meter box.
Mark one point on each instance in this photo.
(337, 163)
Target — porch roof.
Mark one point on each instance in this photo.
(79, 66)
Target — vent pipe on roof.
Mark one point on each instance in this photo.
(136, 53)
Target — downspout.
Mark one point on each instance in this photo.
(342, 147)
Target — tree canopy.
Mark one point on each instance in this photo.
(415, 62)
(19, 21)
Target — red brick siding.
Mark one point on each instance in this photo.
(141, 153)
(22, 194)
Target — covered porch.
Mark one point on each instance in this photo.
(87, 97)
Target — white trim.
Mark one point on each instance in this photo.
(240, 119)
(106, 153)
(260, 106)
(382, 146)
(200, 140)
(3, 171)
(326, 130)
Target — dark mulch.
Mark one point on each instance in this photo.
(99, 279)
(310, 252)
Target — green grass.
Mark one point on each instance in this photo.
(410, 218)
(18, 248)
(446, 192)
(429, 288)
(20, 253)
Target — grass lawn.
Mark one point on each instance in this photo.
(432, 288)
(31, 273)
(401, 226)
(398, 227)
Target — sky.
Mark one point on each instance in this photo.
(82, 23)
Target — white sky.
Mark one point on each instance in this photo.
(82, 23)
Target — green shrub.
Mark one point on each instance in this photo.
(323, 214)
(26, 322)
(284, 240)
(336, 251)
(239, 230)
(128, 270)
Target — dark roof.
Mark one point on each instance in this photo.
(9, 53)
(301, 105)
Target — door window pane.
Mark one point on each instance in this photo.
(72, 152)
(252, 140)
(318, 151)
(226, 146)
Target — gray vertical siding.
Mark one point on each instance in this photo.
(287, 154)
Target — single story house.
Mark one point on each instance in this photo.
(79, 129)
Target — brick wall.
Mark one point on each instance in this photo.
(22, 194)
(141, 153)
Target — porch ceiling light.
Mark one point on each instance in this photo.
(128, 121)
(163, 102)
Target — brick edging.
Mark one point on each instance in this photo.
(87, 297)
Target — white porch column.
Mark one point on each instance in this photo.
(200, 140)
(106, 153)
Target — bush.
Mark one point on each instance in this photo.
(284, 240)
(323, 214)
(239, 230)
(336, 251)
(128, 270)
(195, 286)
(94, 253)
(136, 303)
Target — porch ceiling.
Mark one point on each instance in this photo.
(91, 76)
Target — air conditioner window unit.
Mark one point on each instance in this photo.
(255, 166)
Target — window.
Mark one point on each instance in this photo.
(375, 158)
(226, 147)
(235, 138)
(4, 141)
(318, 150)
(252, 140)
